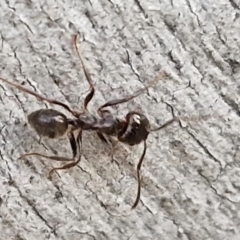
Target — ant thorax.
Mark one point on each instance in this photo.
(86, 121)
(106, 124)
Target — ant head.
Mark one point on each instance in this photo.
(136, 129)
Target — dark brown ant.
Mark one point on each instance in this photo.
(53, 124)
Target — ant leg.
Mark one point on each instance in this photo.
(134, 95)
(57, 158)
(119, 101)
(89, 97)
(102, 137)
(40, 139)
(168, 122)
(138, 176)
(49, 100)
(73, 144)
(72, 164)
(164, 125)
(109, 141)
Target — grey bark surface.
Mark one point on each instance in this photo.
(190, 175)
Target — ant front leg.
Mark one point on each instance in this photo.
(115, 102)
(107, 137)
(102, 137)
(108, 140)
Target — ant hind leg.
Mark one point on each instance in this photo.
(38, 96)
(57, 158)
(75, 145)
(74, 163)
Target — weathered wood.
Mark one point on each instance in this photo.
(190, 175)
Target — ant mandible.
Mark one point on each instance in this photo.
(133, 130)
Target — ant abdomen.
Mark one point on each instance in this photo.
(48, 122)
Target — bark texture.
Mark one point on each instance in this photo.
(190, 176)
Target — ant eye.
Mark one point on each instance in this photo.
(137, 119)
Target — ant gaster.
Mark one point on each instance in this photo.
(133, 130)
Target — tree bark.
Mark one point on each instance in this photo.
(190, 175)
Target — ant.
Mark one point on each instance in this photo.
(133, 130)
